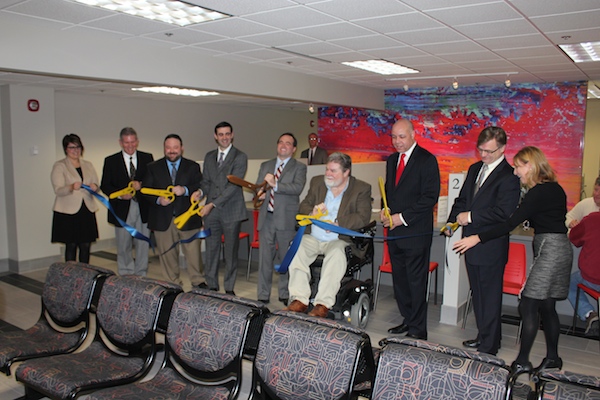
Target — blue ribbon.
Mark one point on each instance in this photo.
(203, 233)
(285, 263)
(132, 231)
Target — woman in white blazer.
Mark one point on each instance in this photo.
(74, 221)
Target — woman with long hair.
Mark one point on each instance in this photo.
(544, 206)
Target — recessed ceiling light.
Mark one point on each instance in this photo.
(582, 52)
(381, 67)
(175, 91)
(169, 11)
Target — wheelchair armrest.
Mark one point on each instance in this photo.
(361, 242)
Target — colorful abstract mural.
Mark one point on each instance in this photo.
(448, 121)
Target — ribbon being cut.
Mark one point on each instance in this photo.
(132, 231)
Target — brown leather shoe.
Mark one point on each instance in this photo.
(296, 306)
(319, 311)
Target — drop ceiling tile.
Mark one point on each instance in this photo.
(399, 23)
(367, 42)
(232, 27)
(359, 9)
(486, 12)
(437, 4)
(575, 36)
(60, 11)
(450, 48)
(394, 53)
(492, 29)
(229, 46)
(184, 36)
(427, 36)
(339, 30)
(540, 51)
(279, 38)
(314, 49)
(292, 17)
(240, 8)
(512, 42)
(579, 20)
(268, 54)
(470, 56)
(553, 7)
(123, 23)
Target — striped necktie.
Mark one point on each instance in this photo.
(270, 207)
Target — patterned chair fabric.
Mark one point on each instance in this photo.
(70, 290)
(410, 372)
(256, 324)
(300, 359)
(558, 385)
(123, 350)
(205, 339)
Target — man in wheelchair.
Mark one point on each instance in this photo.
(347, 203)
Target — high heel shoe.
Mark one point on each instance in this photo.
(549, 363)
(517, 368)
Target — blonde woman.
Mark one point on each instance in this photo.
(545, 207)
(74, 221)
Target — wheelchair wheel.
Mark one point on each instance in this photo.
(359, 313)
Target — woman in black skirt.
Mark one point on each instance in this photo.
(74, 222)
(545, 207)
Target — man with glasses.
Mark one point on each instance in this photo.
(489, 196)
(315, 155)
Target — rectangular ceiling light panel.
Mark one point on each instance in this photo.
(381, 67)
(582, 52)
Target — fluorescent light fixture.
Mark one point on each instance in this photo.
(582, 52)
(381, 67)
(175, 91)
(169, 11)
(593, 91)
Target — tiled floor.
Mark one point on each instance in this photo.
(20, 307)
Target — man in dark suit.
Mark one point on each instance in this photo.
(412, 188)
(315, 154)
(347, 202)
(128, 165)
(184, 175)
(489, 196)
(225, 208)
(277, 217)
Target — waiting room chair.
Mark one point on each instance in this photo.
(261, 312)
(70, 292)
(564, 385)
(254, 244)
(415, 370)
(205, 342)
(131, 310)
(301, 358)
(515, 275)
(386, 267)
(594, 294)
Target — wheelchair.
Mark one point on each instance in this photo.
(354, 301)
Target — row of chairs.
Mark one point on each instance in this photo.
(151, 340)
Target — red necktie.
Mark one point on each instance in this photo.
(400, 168)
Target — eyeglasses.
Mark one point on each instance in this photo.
(488, 152)
(74, 147)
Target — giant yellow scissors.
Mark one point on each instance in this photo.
(386, 210)
(304, 219)
(123, 192)
(194, 209)
(166, 193)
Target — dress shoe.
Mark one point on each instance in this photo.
(296, 306)
(517, 368)
(264, 301)
(549, 363)
(202, 285)
(415, 336)
(284, 300)
(398, 329)
(319, 311)
(231, 292)
(472, 344)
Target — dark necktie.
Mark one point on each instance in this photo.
(479, 182)
(270, 206)
(221, 157)
(131, 168)
(310, 156)
(400, 168)
(173, 173)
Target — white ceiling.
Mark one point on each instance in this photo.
(476, 42)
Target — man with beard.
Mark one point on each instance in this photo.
(345, 201)
(184, 175)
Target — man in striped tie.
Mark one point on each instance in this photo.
(277, 216)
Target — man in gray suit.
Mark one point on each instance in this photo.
(316, 155)
(225, 208)
(276, 219)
